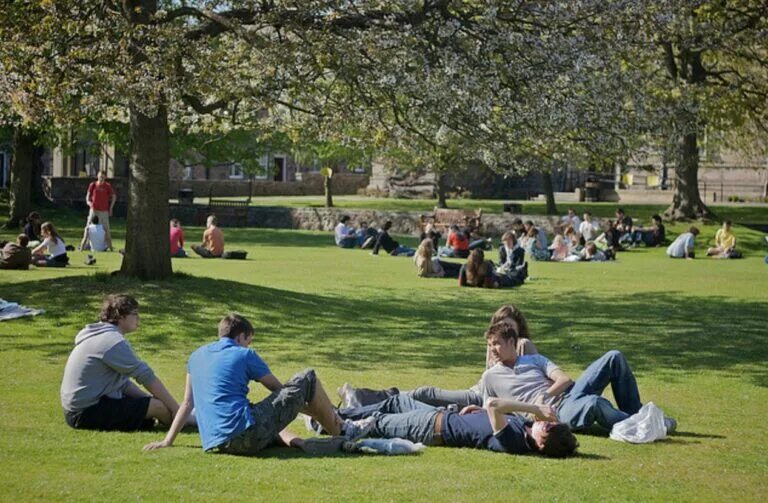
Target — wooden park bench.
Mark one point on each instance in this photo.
(442, 218)
(229, 212)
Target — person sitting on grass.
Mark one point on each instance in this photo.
(535, 248)
(213, 240)
(559, 248)
(570, 220)
(431, 267)
(456, 245)
(16, 255)
(683, 245)
(365, 236)
(97, 392)
(655, 236)
(591, 253)
(725, 242)
(94, 236)
(473, 231)
(623, 227)
(536, 380)
(218, 375)
(430, 232)
(511, 255)
(481, 273)
(392, 247)
(344, 234)
(440, 397)
(177, 239)
(587, 229)
(609, 239)
(497, 427)
(32, 228)
(52, 242)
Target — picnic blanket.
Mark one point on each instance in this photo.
(12, 310)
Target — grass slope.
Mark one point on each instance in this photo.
(694, 332)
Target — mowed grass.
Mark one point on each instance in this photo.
(694, 331)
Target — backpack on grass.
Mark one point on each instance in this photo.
(235, 255)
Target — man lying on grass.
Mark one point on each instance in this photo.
(494, 428)
(534, 379)
(97, 392)
(217, 388)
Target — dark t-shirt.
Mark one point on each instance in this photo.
(474, 430)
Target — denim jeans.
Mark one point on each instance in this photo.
(403, 250)
(583, 405)
(348, 242)
(399, 416)
(439, 397)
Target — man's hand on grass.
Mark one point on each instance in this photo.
(156, 445)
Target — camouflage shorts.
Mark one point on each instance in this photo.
(273, 414)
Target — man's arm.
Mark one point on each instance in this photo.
(112, 201)
(159, 391)
(179, 421)
(560, 384)
(133, 391)
(271, 382)
(88, 199)
(498, 408)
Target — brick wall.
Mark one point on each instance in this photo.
(310, 185)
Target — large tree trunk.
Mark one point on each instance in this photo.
(328, 191)
(440, 188)
(21, 177)
(686, 202)
(549, 193)
(147, 242)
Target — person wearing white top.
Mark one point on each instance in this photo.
(344, 234)
(94, 236)
(587, 228)
(682, 246)
(52, 242)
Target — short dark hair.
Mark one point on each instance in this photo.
(233, 325)
(94, 219)
(33, 216)
(619, 210)
(728, 222)
(656, 218)
(213, 219)
(387, 225)
(344, 218)
(560, 442)
(22, 240)
(117, 306)
(529, 222)
(503, 329)
(694, 230)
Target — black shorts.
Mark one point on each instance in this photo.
(125, 414)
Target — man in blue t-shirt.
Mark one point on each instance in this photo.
(217, 388)
(492, 427)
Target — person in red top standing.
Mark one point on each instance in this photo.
(101, 199)
(177, 239)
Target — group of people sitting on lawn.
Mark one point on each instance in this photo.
(523, 403)
(39, 245)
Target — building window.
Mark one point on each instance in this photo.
(236, 171)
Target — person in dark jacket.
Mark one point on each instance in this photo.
(16, 255)
(392, 247)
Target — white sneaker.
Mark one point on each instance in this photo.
(311, 424)
(354, 430)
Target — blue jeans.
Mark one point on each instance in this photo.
(439, 397)
(398, 416)
(403, 250)
(583, 405)
(348, 242)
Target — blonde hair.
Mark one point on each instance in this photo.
(426, 249)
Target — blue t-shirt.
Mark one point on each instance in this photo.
(220, 373)
(474, 430)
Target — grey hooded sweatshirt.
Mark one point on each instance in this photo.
(100, 365)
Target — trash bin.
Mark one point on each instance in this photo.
(591, 191)
(186, 196)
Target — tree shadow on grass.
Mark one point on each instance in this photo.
(660, 333)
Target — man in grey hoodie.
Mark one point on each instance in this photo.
(97, 392)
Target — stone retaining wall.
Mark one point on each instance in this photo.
(322, 219)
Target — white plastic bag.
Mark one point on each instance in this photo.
(641, 428)
(389, 446)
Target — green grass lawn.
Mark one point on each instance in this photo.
(694, 331)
